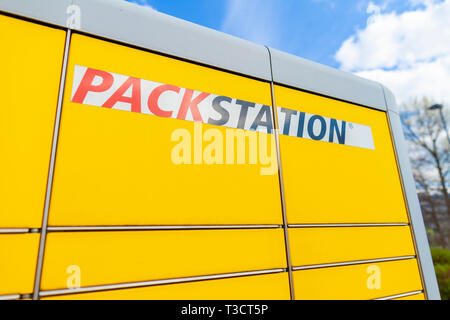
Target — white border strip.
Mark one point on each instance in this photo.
(412, 202)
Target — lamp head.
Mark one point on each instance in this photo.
(435, 106)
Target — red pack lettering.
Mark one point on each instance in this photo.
(86, 84)
(134, 100)
(154, 97)
(192, 104)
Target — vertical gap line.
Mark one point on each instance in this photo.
(280, 180)
(51, 169)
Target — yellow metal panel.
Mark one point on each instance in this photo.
(261, 287)
(333, 183)
(18, 256)
(118, 257)
(31, 59)
(357, 281)
(114, 167)
(419, 296)
(328, 245)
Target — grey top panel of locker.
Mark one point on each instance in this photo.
(300, 73)
(146, 28)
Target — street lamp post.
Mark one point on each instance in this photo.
(440, 107)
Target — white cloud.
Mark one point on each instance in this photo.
(254, 20)
(144, 3)
(408, 52)
(431, 79)
(373, 9)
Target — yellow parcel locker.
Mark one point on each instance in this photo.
(115, 168)
(18, 257)
(311, 246)
(258, 287)
(31, 60)
(334, 183)
(362, 281)
(101, 258)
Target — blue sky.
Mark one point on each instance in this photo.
(404, 44)
(312, 29)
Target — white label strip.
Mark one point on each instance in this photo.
(310, 126)
(111, 90)
(116, 91)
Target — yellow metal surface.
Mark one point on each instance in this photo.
(327, 245)
(18, 257)
(114, 167)
(31, 59)
(333, 183)
(419, 296)
(261, 287)
(358, 281)
(118, 257)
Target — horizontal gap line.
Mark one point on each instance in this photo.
(347, 263)
(14, 230)
(189, 227)
(400, 295)
(175, 227)
(10, 297)
(325, 225)
(140, 284)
